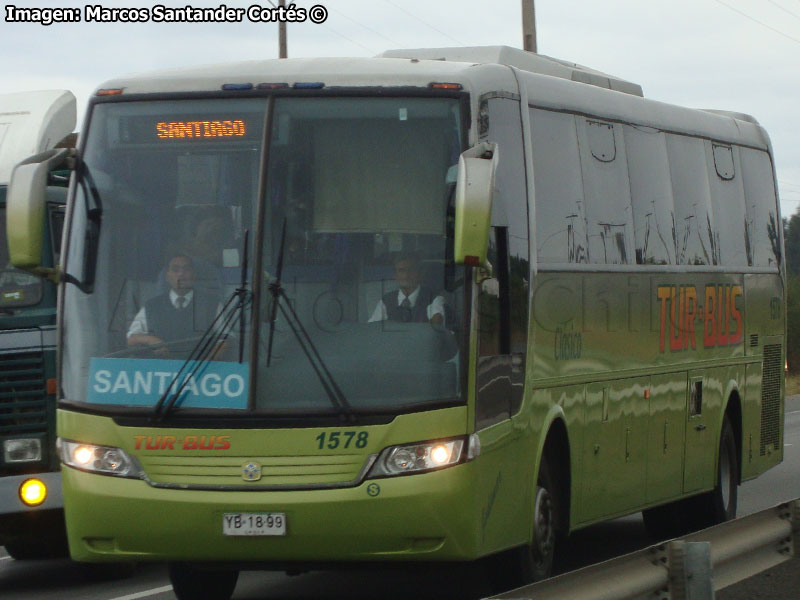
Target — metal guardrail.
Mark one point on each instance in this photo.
(690, 568)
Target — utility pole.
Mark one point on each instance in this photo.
(282, 34)
(528, 26)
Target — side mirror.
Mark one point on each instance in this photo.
(474, 191)
(25, 212)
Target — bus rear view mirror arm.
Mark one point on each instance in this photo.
(27, 195)
(26, 210)
(474, 190)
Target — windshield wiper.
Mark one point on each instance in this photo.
(94, 218)
(274, 289)
(241, 291)
(209, 342)
(198, 357)
(332, 389)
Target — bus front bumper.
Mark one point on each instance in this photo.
(429, 516)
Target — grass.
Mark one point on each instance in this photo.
(792, 384)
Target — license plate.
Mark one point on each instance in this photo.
(254, 524)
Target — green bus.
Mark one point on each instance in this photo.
(31, 505)
(318, 313)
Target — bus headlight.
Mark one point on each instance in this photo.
(32, 492)
(105, 460)
(22, 450)
(425, 456)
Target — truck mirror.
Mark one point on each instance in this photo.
(474, 190)
(25, 210)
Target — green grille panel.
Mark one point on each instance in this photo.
(771, 397)
(275, 470)
(23, 402)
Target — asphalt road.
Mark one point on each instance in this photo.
(60, 579)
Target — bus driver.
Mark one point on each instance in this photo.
(179, 315)
(411, 302)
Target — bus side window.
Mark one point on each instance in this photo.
(560, 207)
(763, 226)
(494, 396)
(727, 199)
(489, 307)
(502, 362)
(694, 219)
(607, 192)
(651, 195)
(505, 127)
(493, 301)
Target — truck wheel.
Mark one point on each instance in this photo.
(190, 582)
(38, 548)
(25, 550)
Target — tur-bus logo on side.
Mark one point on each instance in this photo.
(721, 318)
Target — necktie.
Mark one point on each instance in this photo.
(180, 302)
(405, 310)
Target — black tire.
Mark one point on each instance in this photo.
(547, 510)
(532, 562)
(190, 582)
(24, 550)
(719, 505)
(29, 549)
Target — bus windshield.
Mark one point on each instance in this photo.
(352, 300)
(17, 288)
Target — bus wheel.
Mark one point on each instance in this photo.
(719, 505)
(531, 562)
(192, 583)
(546, 518)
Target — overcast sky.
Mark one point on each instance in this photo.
(741, 55)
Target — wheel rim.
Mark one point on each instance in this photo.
(543, 526)
(725, 476)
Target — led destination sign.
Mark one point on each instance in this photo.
(189, 127)
(185, 130)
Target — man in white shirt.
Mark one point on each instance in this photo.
(411, 302)
(174, 320)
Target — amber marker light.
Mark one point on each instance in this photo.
(446, 86)
(32, 492)
(109, 92)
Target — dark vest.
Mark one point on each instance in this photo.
(172, 324)
(417, 314)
